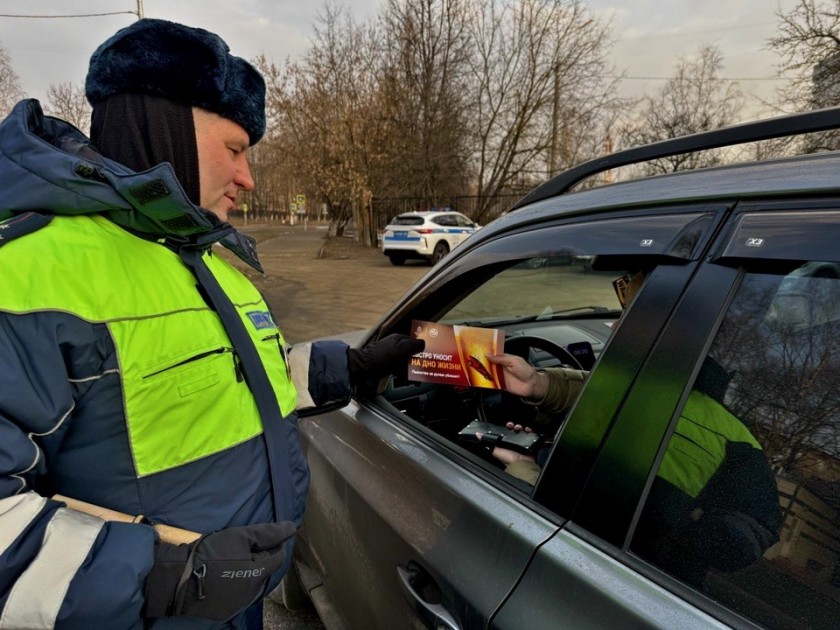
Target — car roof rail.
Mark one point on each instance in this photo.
(780, 126)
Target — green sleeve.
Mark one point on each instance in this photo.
(564, 385)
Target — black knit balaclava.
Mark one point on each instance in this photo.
(141, 131)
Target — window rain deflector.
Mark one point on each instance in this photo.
(800, 235)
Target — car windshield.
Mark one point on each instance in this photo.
(555, 287)
(406, 219)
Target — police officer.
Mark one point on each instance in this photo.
(139, 371)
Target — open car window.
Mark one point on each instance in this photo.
(539, 289)
(550, 292)
(553, 311)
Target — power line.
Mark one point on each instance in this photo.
(138, 12)
(81, 15)
(638, 78)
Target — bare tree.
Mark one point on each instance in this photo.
(68, 101)
(535, 91)
(324, 114)
(426, 46)
(271, 166)
(808, 41)
(786, 385)
(809, 38)
(696, 99)
(10, 91)
(434, 99)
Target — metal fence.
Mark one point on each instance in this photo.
(385, 208)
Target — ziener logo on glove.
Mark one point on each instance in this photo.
(250, 573)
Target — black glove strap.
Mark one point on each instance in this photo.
(163, 580)
(181, 588)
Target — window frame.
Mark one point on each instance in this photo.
(459, 268)
(706, 303)
(462, 274)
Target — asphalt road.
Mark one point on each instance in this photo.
(348, 288)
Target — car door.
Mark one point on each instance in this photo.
(761, 544)
(405, 526)
(578, 576)
(465, 227)
(447, 230)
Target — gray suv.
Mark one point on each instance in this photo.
(695, 481)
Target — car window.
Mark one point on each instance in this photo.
(744, 504)
(550, 291)
(406, 219)
(541, 289)
(553, 310)
(444, 219)
(463, 221)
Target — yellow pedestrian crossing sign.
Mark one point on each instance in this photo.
(300, 199)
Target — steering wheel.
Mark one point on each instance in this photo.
(499, 406)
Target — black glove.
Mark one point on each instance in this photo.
(380, 358)
(218, 575)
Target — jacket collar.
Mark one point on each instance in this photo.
(46, 163)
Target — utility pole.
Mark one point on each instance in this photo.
(608, 148)
(553, 149)
(140, 9)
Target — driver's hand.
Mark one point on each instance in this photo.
(507, 456)
(518, 427)
(520, 377)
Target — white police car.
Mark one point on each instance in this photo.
(428, 234)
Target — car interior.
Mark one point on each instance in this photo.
(554, 311)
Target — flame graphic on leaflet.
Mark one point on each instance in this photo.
(474, 344)
(477, 365)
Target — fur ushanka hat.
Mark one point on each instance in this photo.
(187, 65)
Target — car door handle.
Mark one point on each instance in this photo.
(433, 615)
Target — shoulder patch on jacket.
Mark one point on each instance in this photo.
(21, 225)
(261, 319)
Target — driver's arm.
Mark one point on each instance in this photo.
(553, 390)
(564, 385)
(519, 465)
(520, 377)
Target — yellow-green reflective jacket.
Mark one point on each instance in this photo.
(120, 386)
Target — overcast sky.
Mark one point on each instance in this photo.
(650, 35)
